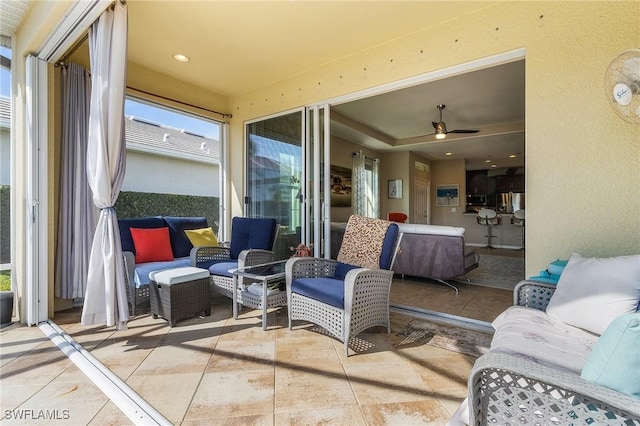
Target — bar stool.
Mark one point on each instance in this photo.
(518, 220)
(488, 218)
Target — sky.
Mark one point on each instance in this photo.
(5, 76)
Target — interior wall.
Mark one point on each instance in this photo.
(446, 173)
(394, 166)
(577, 148)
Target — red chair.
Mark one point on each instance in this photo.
(397, 217)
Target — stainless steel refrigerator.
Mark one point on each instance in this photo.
(509, 202)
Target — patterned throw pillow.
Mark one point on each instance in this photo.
(362, 241)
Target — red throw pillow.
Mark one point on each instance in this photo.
(152, 245)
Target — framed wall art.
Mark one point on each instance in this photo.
(395, 188)
(447, 195)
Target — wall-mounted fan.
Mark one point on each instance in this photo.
(441, 128)
(622, 85)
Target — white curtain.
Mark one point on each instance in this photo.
(77, 215)
(366, 193)
(106, 298)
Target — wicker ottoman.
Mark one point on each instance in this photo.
(179, 293)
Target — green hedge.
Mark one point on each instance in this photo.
(142, 204)
(5, 224)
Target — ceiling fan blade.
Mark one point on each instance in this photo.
(463, 131)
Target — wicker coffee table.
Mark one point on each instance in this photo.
(179, 293)
(269, 275)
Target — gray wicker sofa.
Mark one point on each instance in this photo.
(137, 274)
(539, 381)
(427, 251)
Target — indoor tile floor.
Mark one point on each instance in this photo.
(217, 370)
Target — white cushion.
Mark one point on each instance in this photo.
(535, 335)
(178, 275)
(592, 292)
(416, 228)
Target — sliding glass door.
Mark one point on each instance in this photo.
(286, 171)
(275, 175)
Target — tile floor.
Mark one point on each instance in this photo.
(217, 370)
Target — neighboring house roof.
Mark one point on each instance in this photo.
(145, 136)
(5, 112)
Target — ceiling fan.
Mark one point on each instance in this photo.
(441, 128)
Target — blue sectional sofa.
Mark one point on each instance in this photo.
(137, 275)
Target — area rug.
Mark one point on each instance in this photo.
(497, 271)
(418, 332)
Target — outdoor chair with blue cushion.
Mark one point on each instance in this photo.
(251, 243)
(351, 294)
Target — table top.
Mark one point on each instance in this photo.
(262, 271)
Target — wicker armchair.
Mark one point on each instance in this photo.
(252, 242)
(505, 389)
(348, 295)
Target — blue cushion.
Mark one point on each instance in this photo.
(208, 263)
(342, 269)
(556, 267)
(143, 222)
(251, 233)
(142, 271)
(388, 246)
(180, 243)
(614, 361)
(326, 290)
(222, 268)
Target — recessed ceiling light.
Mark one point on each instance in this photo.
(181, 58)
(448, 153)
(487, 161)
(493, 165)
(512, 156)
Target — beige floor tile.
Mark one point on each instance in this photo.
(170, 394)
(58, 403)
(349, 415)
(17, 340)
(255, 420)
(234, 355)
(226, 394)
(170, 359)
(425, 412)
(110, 415)
(39, 366)
(312, 385)
(377, 383)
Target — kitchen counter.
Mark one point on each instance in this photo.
(505, 235)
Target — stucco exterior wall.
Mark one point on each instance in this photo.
(583, 172)
(163, 175)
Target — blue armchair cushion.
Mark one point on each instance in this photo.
(388, 246)
(326, 290)
(222, 268)
(251, 233)
(145, 223)
(142, 271)
(342, 269)
(180, 243)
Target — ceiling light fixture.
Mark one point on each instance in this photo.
(513, 156)
(448, 153)
(493, 165)
(441, 130)
(181, 58)
(487, 161)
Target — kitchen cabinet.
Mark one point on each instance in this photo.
(477, 182)
(510, 183)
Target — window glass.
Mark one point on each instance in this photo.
(5, 168)
(173, 163)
